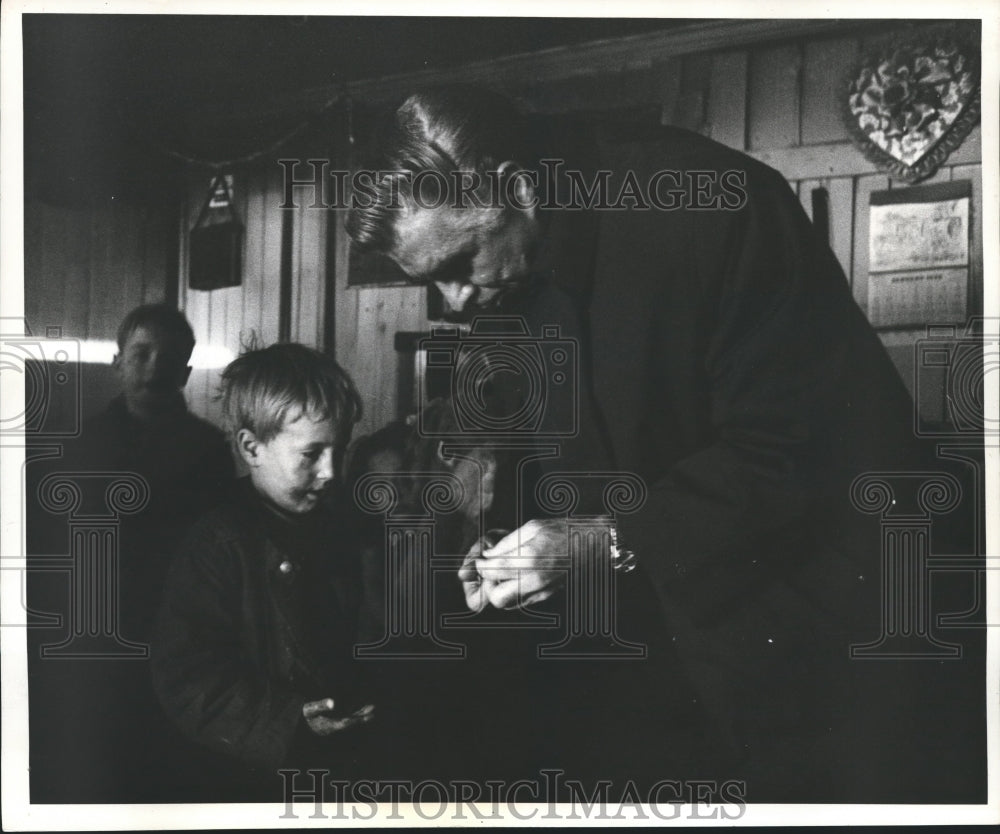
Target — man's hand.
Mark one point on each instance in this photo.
(472, 582)
(526, 566)
(321, 723)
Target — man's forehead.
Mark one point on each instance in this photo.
(426, 237)
(143, 335)
(151, 336)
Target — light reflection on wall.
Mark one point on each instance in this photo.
(205, 357)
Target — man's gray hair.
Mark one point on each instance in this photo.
(441, 130)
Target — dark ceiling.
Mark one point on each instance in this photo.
(92, 83)
(178, 58)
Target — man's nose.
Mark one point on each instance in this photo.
(456, 293)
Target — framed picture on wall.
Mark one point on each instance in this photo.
(919, 255)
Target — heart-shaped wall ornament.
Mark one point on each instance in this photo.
(911, 101)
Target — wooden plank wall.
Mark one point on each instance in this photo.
(777, 102)
(85, 267)
(229, 319)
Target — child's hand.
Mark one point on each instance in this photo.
(315, 713)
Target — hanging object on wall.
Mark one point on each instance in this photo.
(918, 255)
(216, 240)
(913, 100)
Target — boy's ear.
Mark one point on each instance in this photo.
(248, 446)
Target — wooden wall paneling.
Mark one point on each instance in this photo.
(128, 225)
(899, 344)
(69, 239)
(773, 107)
(975, 174)
(943, 174)
(64, 276)
(253, 257)
(805, 189)
(611, 89)
(309, 254)
(195, 303)
(840, 205)
(74, 242)
(108, 283)
(825, 65)
(371, 365)
(842, 159)
(687, 83)
(695, 87)
(859, 268)
(156, 237)
(841, 191)
(667, 87)
(270, 183)
(51, 279)
(345, 299)
(374, 364)
(227, 307)
(727, 99)
(560, 62)
(294, 217)
(318, 257)
(35, 287)
(57, 272)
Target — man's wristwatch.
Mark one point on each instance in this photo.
(622, 559)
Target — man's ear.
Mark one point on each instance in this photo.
(522, 190)
(248, 446)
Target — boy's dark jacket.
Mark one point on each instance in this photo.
(258, 617)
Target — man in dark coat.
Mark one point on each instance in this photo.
(726, 364)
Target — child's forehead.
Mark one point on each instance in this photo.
(305, 424)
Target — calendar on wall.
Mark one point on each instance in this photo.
(918, 255)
